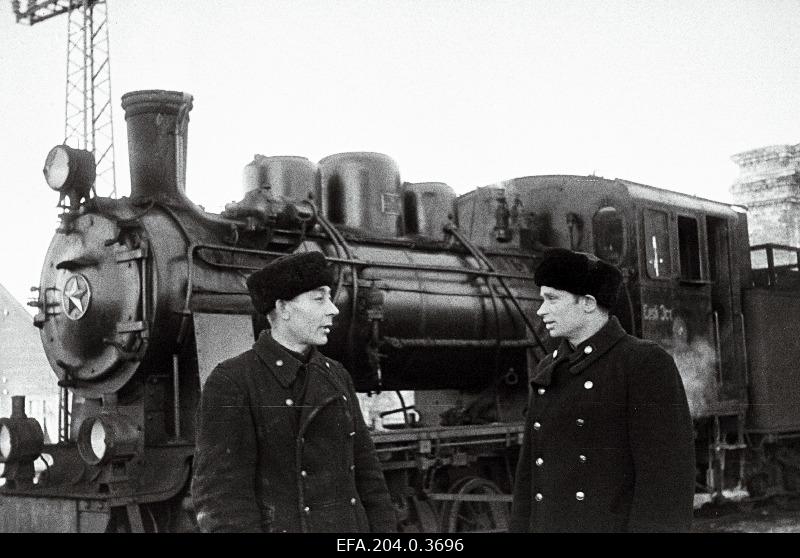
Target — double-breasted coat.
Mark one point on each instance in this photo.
(265, 464)
(608, 443)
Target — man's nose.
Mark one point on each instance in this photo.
(541, 310)
(331, 310)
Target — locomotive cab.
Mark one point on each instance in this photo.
(682, 259)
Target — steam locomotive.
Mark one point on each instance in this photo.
(141, 297)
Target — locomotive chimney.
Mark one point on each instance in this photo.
(158, 124)
(18, 406)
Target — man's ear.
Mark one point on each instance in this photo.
(282, 309)
(589, 303)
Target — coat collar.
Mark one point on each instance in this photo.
(579, 358)
(283, 364)
(321, 390)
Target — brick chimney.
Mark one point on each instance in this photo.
(769, 185)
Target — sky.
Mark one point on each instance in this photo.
(465, 92)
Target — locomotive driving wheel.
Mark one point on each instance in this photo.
(477, 508)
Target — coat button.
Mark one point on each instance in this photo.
(541, 391)
(352, 467)
(582, 458)
(306, 510)
(327, 364)
(352, 434)
(587, 350)
(579, 496)
(539, 461)
(289, 402)
(580, 422)
(588, 384)
(352, 501)
(344, 397)
(555, 353)
(536, 426)
(278, 363)
(303, 474)
(538, 497)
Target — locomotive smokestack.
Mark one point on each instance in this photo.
(18, 406)
(158, 123)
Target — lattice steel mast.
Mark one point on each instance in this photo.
(88, 122)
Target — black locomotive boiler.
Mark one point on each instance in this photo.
(140, 297)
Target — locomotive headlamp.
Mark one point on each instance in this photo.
(71, 172)
(107, 436)
(21, 438)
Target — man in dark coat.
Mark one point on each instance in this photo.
(608, 443)
(282, 445)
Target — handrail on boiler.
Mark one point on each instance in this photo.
(193, 248)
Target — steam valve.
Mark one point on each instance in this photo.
(502, 215)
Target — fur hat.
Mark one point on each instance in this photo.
(286, 277)
(580, 274)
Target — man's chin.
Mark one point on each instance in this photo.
(321, 340)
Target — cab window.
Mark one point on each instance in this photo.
(689, 248)
(657, 249)
(608, 229)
